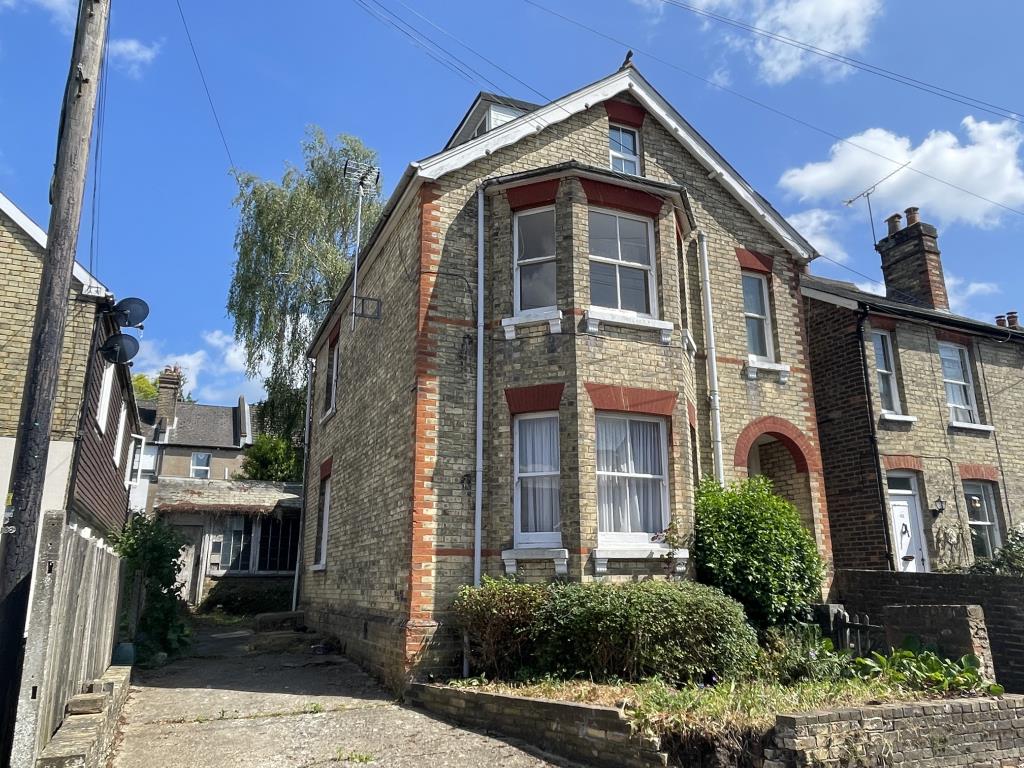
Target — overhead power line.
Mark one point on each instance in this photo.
(206, 87)
(888, 74)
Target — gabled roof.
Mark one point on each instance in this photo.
(848, 295)
(626, 80)
(199, 426)
(90, 285)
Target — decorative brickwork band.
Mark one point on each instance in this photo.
(979, 472)
(607, 397)
(621, 198)
(325, 468)
(912, 463)
(625, 114)
(805, 455)
(754, 261)
(533, 195)
(542, 397)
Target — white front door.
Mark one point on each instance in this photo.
(907, 528)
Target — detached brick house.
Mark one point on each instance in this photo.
(919, 414)
(584, 309)
(95, 420)
(240, 530)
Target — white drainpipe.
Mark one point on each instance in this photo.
(478, 486)
(310, 369)
(710, 348)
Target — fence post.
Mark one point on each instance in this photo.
(38, 633)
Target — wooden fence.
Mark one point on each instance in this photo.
(70, 631)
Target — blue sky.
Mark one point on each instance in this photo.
(166, 222)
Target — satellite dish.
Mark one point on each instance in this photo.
(119, 348)
(130, 312)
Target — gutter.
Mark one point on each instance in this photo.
(862, 316)
(711, 349)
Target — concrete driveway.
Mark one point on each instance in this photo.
(248, 701)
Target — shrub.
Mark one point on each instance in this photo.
(247, 598)
(752, 545)
(500, 617)
(1008, 560)
(795, 654)
(677, 631)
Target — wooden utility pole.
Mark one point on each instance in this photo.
(21, 518)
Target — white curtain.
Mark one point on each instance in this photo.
(626, 503)
(538, 461)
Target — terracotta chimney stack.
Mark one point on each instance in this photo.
(1011, 320)
(912, 264)
(1001, 321)
(168, 385)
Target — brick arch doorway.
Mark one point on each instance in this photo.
(776, 449)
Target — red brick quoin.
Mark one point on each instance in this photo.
(804, 454)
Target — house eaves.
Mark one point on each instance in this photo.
(90, 285)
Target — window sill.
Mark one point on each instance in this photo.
(966, 425)
(899, 418)
(552, 316)
(637, 552)
(318, 567)
(327, 415)
(597, 315)
(755, 364)
(560, 557)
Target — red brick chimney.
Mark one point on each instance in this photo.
(168, 385)
(911, 263)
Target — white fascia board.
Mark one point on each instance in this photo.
(828, 298)
(625, 80)
(90, 285)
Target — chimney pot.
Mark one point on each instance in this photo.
(1001, 321)
(912, 215)
(894, 223)
(1011, 320)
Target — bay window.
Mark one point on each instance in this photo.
(981, 518)
(887, 389)
(537, 468)
(621, 262)
(535, 260)
(756, 315)
(632, 488)
(956, 376)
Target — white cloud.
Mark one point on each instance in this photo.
(987, 161)
(132, 56)
(963, 292)
(655, 9)
(819, 227)
(62, 12)
(721, 77)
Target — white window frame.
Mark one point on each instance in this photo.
(333, 358)
(612, 539)
(103, 408)
(193, 466)
(987, 493)
(534, 539)
(890, 373)
(320, 558)
(119, 437)
(964, 355)
(652, 277)
(769, 330)
(534, 311)
(614, 155)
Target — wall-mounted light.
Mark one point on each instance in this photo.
(939, 506)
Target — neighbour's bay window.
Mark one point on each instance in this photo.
(956, 376)
(200, 466)
(981, 518)
(535, 260)
(632, 487)
(888, 392)
(621, 262)
(622, 150)
(537, 480)
(757, 317)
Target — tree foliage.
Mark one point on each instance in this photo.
(752, 545)
(294, 242)
(271, 457)
(144, 386)
(283, 412)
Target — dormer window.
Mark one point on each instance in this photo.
(622, 150)
(497, 114)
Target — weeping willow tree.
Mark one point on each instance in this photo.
(294, 243)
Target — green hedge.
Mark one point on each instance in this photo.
(681, 632)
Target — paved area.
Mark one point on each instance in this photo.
(249, 701)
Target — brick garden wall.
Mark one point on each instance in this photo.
(1001, 597)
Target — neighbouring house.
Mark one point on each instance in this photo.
(543, 388)
(95, 421)
(919, 414)
(245, 530)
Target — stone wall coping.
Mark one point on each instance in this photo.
(596, 709)
(898, 709)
